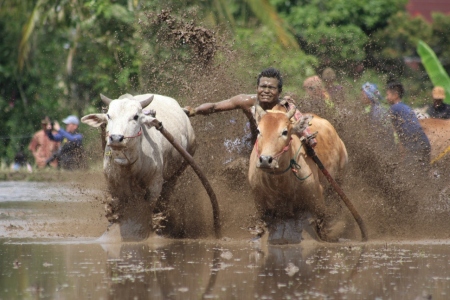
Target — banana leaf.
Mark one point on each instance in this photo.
(434, 68)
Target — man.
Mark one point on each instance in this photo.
(70, 155)
(439, 109)
(406, 125)
(42, 147)
(269, 86)
(335, 91)
(380, 129)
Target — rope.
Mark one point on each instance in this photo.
(293, 165)
(440, 156)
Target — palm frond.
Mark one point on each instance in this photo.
(268, 15)
(436, 72)
(24, 46)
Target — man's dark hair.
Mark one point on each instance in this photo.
(271, 73)
(396, 87)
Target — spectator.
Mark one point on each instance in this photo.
(439, 109)
(20, 161)
(371, 96)
(317, 99)
(415, 144)
(42, 147)
(70, 154)
(378, 115)
(335, 91)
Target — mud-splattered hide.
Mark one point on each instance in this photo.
(286, 183)
(438, 133)
(138, 159)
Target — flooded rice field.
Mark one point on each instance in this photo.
(48, 250)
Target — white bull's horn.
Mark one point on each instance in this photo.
(105, 99)
(146, 102)
(259, 110)
(291, 112)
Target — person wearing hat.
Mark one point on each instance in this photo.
(439, 109)
(70, 154)
(378, 115)
(371, 97)
(42, 147)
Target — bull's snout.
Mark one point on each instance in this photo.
(267, 161)
(115, 138)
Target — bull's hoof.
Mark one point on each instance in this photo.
(125, 231)
(291, 231)
(330, 231)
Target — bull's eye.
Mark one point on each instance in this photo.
(285, 132)
(109, 118)
(258, 132)
(136, 117)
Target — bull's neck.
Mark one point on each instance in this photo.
(267, 106)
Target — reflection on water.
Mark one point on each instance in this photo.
(226, 270)
(35, 264)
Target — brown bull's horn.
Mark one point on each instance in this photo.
(146, 102)
(291, 112)
(260, 111)
(105, 99)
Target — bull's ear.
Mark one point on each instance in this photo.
(302, 123)
(149, 121)
(94, 120)
(259, 113)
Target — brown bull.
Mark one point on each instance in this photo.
(286, 183)
(438, 133)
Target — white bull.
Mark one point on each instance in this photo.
(138, 159)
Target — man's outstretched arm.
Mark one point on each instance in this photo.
(240, 101)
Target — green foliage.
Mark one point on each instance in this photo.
(56, 57)
(434, 68)
(337, 30)
(401, 36)
(336, 44)
(262, 51)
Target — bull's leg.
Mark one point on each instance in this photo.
(329, 227)
(132, 214)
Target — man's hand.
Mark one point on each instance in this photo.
(301, 125)
(289, 98)
(56, 126)
(190, 112)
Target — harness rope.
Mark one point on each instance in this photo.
(441, 155)
(109, 153)
(293, 165)
(130, 137)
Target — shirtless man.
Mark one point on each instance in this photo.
(269, 86)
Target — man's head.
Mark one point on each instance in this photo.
(269, 85)
(45, 122)
(438, 94)
(314, 87)
(371, 95)
(394, 92)
(328, 75)
(71, 123)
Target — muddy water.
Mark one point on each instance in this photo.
(48, 251)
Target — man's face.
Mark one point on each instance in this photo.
(365, 99)
(71, 128)
(437, 102)
(267, 90)
(391, 96)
